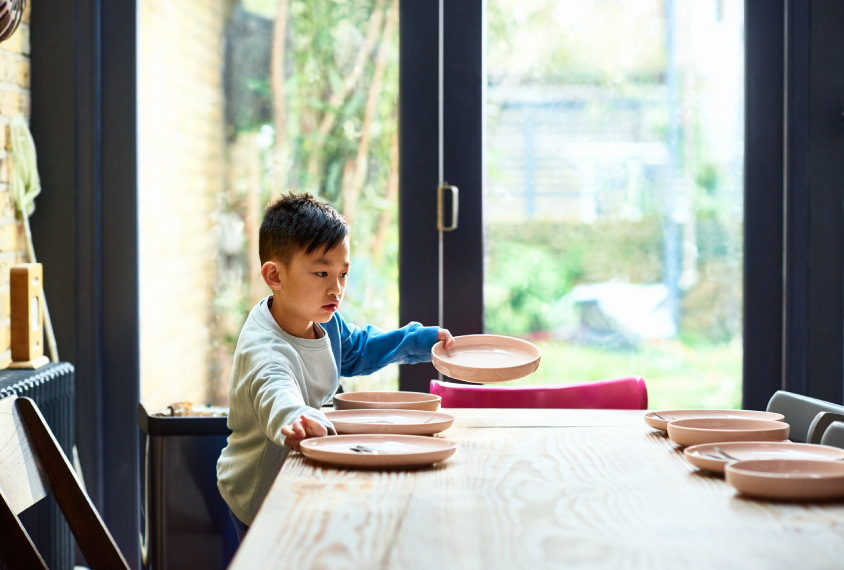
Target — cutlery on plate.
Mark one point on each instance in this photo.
(363, 449)
(726, 455)
(666, 418)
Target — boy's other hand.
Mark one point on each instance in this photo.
(303, 428)
(444, 335)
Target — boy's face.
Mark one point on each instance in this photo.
(312, 285)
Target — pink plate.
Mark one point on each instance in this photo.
(378, 451)
(486, 358)
(710, 459)
(696, 431)
(671, 415)
(387, 401)
(788, 479)
(407, 422)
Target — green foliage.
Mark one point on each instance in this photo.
(523, 282)
(707, 177)
(531, 268)
(323, 40)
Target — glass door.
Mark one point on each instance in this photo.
(613, 202)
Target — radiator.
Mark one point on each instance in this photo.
(52, 389)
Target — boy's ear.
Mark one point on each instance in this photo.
(271, 272)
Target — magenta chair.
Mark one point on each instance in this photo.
(621, 394)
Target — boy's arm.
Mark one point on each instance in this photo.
(368, 349)
(277, 401)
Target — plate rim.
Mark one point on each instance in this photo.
(667, 411)
(512, 367)
(676, 424)
(448, 444)
(383, 411)
(693, 450)
(433, 397)
(782, 476)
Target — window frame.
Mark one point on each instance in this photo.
(84, 122)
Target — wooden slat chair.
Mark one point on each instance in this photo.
(31, 466)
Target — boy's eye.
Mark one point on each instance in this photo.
(322, 274)
(344, 275)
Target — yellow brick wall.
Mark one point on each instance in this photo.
(182, 171)
(14, 99)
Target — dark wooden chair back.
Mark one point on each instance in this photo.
(31, 466)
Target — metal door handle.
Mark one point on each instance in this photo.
(440, 210)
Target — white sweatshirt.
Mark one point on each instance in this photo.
(276, 377)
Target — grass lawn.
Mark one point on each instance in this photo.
(677, 375)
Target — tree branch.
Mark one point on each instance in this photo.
(349, 83)
(279, 96)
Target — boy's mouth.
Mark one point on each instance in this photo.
(331, 307)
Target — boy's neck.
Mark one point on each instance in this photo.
(291, 324)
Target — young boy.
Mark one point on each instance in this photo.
(294, 347)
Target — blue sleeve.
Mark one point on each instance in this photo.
(368, 349)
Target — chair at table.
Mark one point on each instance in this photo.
(620, 394)
(834, 435)
(31, 466)
(808, 417)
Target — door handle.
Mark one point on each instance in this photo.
(441, 210)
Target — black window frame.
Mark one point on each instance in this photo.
(85, 231)
(794, 191)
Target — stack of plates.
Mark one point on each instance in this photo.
(387, 401)
(695, 431)
(383, 430)
(654, 420)
(752, 450)
(788, 479)
(716, 456)
(406, 422)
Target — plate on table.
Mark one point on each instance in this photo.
(709, 458)
(671, 415)
(407, 422)
(486, 358)
(387, 401)
(788, 479)
(368, 450)
(696, 431)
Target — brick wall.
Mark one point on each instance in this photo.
(14, 99)
(182, 172)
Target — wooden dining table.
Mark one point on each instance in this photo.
(535, 489)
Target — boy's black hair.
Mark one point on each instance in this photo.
(296, 221)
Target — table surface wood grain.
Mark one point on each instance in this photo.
(536, 489)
